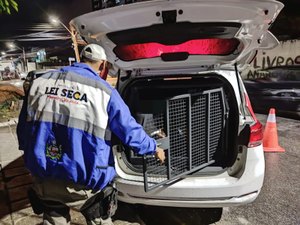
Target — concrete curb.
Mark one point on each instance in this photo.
(12, 121)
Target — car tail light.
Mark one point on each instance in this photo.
(256, 135)
(256, 130)
(213, 46)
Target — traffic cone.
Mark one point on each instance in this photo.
(270, 138)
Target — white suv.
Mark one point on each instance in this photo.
(178, 66)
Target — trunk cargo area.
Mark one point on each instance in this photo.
(190, 117)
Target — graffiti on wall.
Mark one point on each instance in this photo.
(267, 61)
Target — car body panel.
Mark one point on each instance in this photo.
(225, 188)
(203, 191)
(254, 16)
(216, 190)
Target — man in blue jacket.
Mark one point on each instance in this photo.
(63, 127)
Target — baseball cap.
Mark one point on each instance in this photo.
(93, 52)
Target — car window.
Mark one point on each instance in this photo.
(286, 75)
(293, 75)
(269, 76)
(281, 74)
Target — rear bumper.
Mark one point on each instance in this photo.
(206, 191)
(205, 203)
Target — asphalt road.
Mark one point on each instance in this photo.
(277, 204)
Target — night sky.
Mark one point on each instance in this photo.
(32, 12)
(31, 22)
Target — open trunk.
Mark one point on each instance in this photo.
(194, 118)
(165, 34)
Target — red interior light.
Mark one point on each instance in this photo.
(214, 46)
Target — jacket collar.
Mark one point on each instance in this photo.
(84, 66)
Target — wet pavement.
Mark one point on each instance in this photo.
(278, 202)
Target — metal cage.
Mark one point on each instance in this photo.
(194, 126)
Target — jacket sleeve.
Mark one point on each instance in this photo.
(122, 124)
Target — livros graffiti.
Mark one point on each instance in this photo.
(273, 59)
(267, 61)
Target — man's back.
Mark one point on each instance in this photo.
(67, 118)
(64, 129)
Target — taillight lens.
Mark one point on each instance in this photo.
(256, 135)
(256, 130)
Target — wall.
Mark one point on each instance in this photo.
(31, 66)
(6, 64)
(286, 53)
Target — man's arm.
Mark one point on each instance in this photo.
(128, 130)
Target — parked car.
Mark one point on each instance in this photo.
(279, 88)
(23, 75)
(178, 71)
(8, 74)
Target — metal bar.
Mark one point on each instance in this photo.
(208, 126)
(145, 173)
(168, 134)
(190, 131)
(166, 176)
(180, 175)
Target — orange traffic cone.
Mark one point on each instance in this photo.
(270, 139)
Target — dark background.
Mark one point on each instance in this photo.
(31, 22)
(30, 27)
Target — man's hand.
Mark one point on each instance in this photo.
(160, 155)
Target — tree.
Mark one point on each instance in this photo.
(7, 5)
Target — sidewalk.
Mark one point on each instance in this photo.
(14, 181)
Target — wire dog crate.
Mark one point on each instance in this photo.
(191, 132)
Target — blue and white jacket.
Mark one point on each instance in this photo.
(63, 122)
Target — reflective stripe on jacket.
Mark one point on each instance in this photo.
(63, 122)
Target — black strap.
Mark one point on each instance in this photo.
(102, 204)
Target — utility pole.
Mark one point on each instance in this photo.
(12, 46)
(25, 61)
(72, 32)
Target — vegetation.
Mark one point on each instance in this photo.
(7, 5)
(10, 103)
(9, 109)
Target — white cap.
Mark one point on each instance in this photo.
(93, 52)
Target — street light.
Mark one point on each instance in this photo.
(3, 53)
(54, 20)
(12, 46)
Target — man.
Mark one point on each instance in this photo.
(62, 129)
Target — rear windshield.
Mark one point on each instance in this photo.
(176, 41)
